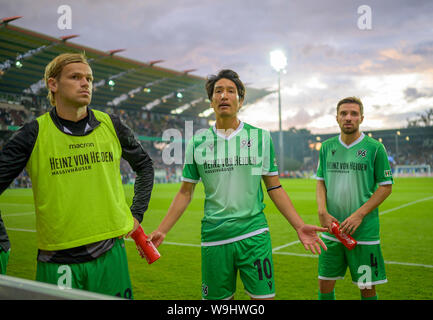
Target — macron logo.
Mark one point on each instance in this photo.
(81, 145)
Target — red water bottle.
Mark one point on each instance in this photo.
(345, 239)
(148, 249)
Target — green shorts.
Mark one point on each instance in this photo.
(365, 263)
(251, 256)
(108, 274)
(4, 258)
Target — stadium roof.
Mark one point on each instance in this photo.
(134, 84)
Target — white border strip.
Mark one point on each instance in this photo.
(265, 296)
(367, 243)
(369, 284)
(238, 129)
(270, 174)
(228, 298)
(385, 183)
(330, 278)
(189, 180)
(244, 236)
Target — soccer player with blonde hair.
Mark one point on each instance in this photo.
(72, 154)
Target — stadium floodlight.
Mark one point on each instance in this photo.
(396, 144)
(279, 62)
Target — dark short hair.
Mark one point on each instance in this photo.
(225, 74)
(351, 100)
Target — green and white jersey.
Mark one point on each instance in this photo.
(231, 169)
(352, 174)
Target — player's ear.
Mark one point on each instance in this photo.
(362, 118)
(52, 84)
(241, 101)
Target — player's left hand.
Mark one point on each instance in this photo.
(352, 223)
(309, 238)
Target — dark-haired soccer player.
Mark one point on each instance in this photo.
(72, 155)
(231, 158)
(353, 179)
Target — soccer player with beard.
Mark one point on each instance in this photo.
(231, 158)
(72, 154)
(353, 179)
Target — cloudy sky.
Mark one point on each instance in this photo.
(333, 50)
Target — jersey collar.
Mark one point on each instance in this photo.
(91, 124)
(239, 128)
(353, 143)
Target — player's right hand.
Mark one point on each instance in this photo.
(157, 237)
(326, 220)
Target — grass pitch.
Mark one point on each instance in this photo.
(406, 237)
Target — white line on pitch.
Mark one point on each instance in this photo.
(286, 245)
(409, 264)
(283, 253)
(386, 262)
(405, 205)
(183, 244)
(297, 254)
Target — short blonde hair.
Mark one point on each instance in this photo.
(55, 67)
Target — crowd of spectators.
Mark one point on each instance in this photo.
(413, 154)
(12, 117)
(149, 128)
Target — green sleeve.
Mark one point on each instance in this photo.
(270, 166)
(382, 169)
(319, 173)
(190, 171)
